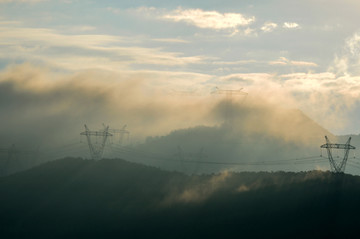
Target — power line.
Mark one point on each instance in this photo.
(170, 158)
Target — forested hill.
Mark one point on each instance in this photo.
(75, 198)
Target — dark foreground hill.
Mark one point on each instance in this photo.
(75, 198)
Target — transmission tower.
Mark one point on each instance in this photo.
(121, 132)
(96, 149)
(14, 156)
(228, 104)
(337, 167)
(229, 93)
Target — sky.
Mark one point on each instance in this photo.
(296, 54)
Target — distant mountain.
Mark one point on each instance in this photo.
(75, 198)
(253, 134)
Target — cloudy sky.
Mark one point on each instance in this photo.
(298, 54)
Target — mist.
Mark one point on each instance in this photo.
(39, 106)
(46, 109)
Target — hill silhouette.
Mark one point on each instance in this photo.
(252, 134)
(76, 198)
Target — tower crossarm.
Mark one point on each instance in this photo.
(96, 151)
(96, 133)
(104, 132)
(229, 92)
(117, 131)
(335, 166)
(337, 146)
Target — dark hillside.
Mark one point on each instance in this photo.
(75, 198)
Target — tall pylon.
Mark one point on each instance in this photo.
(228, 104)
(15, 160)
(96, 149)
(122, 132)
(337, 167)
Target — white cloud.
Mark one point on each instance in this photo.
(209, 19)
(83, 51)
(291, 25)
(241, 62)
(306, 76)
(347, 62)
(303, 63)
(251, 77)
(353, 44)
(269, 27)
(171, 40)
(286, 62)
(15, 36)
(250, 31)
(142, 55)
(309, 92)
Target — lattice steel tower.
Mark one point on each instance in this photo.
(121, 132)
(337, 167)
(228, 104)
(96, 149)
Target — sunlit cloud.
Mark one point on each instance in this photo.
(286, 62)
(15, 36)
(241, 62)
(155, 56)
(347, 62)
(84, 28)
(237, 23)
(250, 77)
(171, 40)
(209, 19)
(282, 61)
(291, 25)
(269, 27)
(306, 91)
(209, 50)
(84, 50)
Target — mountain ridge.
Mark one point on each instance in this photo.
(77, 198)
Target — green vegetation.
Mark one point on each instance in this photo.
(75, 198)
